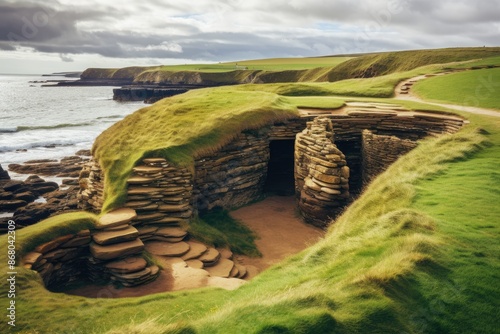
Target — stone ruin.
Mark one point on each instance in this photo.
(324, 157)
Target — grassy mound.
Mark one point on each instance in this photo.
(416, 253)
(391, 62)
(180, 129)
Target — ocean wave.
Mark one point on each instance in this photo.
(43, 127)
(40, 144)
(111, 117)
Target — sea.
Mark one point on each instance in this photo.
(39, 122)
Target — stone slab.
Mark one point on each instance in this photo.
(114, 251)
(174, 232)
(221, 269)
(116, 217)
(196, 250)
(166, 248)
(127, 265)
(113, 237)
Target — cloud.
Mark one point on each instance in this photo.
(66, 58)
(209, 30)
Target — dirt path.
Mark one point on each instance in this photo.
(282, 233)
(409, 95)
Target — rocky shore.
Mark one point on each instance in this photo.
(29, 201)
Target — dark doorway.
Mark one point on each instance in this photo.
(280, 173)
(354, 159)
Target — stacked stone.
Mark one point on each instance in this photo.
(62, 260)
(233, 176)
(321, 174)
(380, 151)
(195, 255)
(116, 249)
(287, 129)
(91, 195)
(160, 194)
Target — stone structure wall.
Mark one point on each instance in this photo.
(91, 195)
(233, 176)
(321, 174)
(380, 151)
(112, 251)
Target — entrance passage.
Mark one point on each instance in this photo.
(280, 178)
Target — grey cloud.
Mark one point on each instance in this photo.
(275, 28)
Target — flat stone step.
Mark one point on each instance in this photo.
(173, 221)
(145, 209)
(138, 204)
(225, 253)
(196, 250)
(144, 191)
(221, 269)
(133, 276)
(149, 217)
(116, 228)
(165, 239)
(141, 180)
(235, 273)
(113, 237)
(166, 248)
(210, 257)
(242, 270)
(114, 251)
(116, 217)
(173, 208)
(196, 264)
(128, 265)
(147, 230)
(147, 169)
(174, 232)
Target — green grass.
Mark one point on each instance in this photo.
(218, 229)
(418, 252)
(478, 88)
(391, 62)
(180, 129)
(270, 64)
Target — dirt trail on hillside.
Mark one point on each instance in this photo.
(409, 95)
(281, 231)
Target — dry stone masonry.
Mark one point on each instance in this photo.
(233, 176)
(380, 151)
(321, 174)
(328, 170)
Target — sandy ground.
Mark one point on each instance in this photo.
(280, 232)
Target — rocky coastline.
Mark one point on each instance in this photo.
(34, 199)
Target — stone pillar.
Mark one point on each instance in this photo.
(321, 173)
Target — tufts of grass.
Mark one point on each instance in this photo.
(181, 129)
(219, 229)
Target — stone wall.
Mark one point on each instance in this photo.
(111, 252)
(380, 151)
(321, 173)
(233, 176)
(91, 194)
(236, 173)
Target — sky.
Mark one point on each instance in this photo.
(46, 36)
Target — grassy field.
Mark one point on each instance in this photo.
(271, 64)
(418, 252)
(479, 88)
